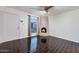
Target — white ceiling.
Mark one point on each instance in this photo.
(61, 9)
(37, 9)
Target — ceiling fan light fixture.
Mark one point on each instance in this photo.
(44, 13)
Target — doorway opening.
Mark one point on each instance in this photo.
(34, 26)
(33, 32)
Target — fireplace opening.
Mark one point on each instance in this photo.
(43, 30)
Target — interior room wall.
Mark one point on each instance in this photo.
(23, 26)
(65, 25)
(11, 27)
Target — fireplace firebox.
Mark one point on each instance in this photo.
(43, 30)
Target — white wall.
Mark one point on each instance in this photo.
(10, 26)
(65, 25)
(1, 26)
(24, 26)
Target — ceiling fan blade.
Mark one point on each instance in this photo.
(47, 8)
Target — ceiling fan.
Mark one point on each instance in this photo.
(45, 9)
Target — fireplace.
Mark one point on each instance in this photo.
(43, 30)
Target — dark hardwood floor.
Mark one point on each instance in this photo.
(45, 44)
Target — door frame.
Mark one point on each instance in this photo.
(29, 25)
